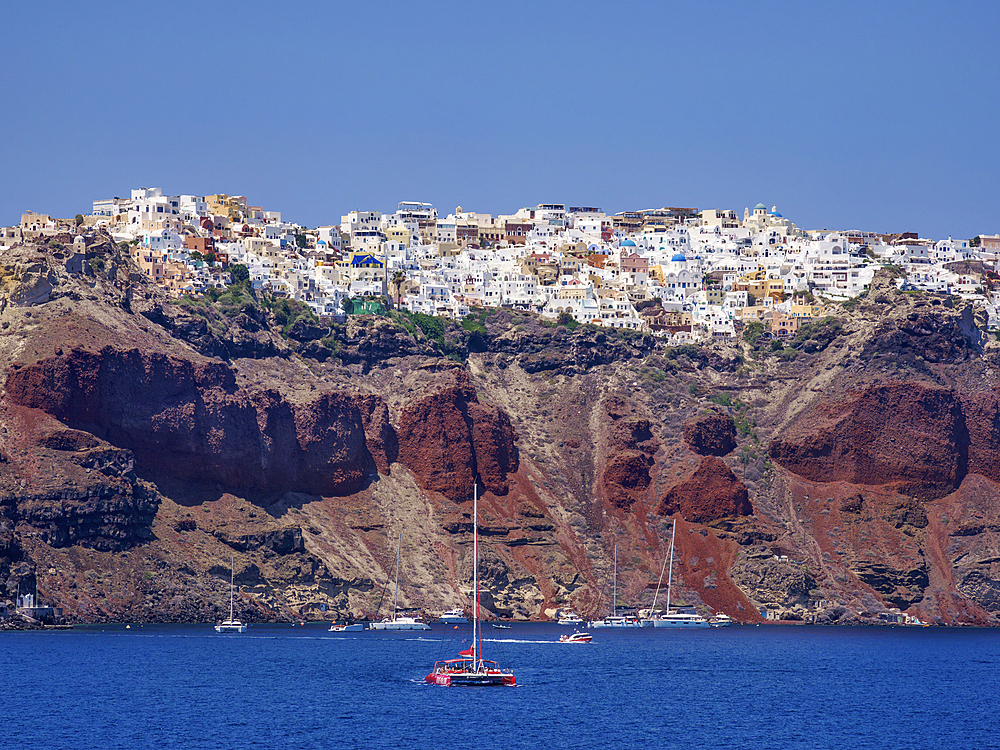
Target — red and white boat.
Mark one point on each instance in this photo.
(577, 637)
(471, 670)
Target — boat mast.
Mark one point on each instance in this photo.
(476, 629)
(614, 604)
(395, 596)
(656, 595)
(232, 584)
(670, 575)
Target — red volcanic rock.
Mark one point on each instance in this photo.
(709, 493)
(982, 420)
(379, 433)
(710, 434)
(631, 446)
(626, 476)
(446, 439)
(188, 420)
(901, 433)
(493, 439)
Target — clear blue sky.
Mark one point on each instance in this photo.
(873, 115)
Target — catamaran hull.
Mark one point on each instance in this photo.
(613, 622)
(670, 624)
(226, 627)
(470, 680)
(399, 626)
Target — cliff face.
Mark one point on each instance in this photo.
(142, 446)
(187, 420)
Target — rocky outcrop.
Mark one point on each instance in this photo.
(630, 450)
(710, 493)
(447, 439)
(379, 433)
(187, 420)
(70, 487)
(981, 413)
(775, 582)
(710, 434)
(905, 434)
(245, 334)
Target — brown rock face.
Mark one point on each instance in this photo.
(446, 439)
(901, 433)
(189, 421)
(710, 493)
(70, 487)
(631, 446)
(710, 434)
(982, 421)
(379, 433)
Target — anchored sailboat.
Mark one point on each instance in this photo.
(669, 618)
(232, 625)
(614, 620)
(472, 669)
(398, 621)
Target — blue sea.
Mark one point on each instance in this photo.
(284, 686)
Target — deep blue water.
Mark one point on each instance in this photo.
(302, 687)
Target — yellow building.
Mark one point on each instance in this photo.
(231, 206)
(398, 234)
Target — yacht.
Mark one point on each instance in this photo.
(454, 616)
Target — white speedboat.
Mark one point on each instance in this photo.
(577, 637)
(454, 617)
(721, 621)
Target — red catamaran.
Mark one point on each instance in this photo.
(472, 669)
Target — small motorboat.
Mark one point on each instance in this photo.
(576, 637)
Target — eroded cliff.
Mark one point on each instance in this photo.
(143, 445)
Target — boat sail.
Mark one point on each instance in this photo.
(398, 621)
(614, 620)
(472, 669)
(669, 618)
(232, 625)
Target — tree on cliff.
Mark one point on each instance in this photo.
(398, 279)
(240, 273)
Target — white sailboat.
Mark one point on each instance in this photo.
(232, 625)
(614, 620)
(670, 618)
(398, 621)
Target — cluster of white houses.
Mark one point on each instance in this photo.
(710, 270)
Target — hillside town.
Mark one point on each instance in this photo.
(682, 273)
